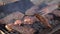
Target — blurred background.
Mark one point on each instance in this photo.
(11, 10)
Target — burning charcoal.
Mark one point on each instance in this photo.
(23, 30)
(1, 32)
(18, 22)
(8, 27)
(29, 20)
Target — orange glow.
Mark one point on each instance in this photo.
(28, 20)
(17, 22)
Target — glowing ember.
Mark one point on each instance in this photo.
(17, 22)
(28, 20)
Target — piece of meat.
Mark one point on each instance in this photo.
(43, 20)
(18, 22)
(29, 19)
